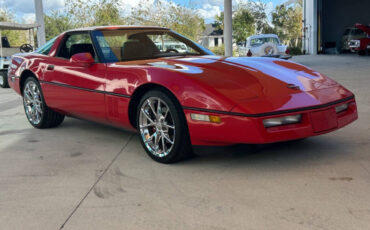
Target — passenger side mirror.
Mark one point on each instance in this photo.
(83, 58)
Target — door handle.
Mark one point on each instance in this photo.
(50, 67)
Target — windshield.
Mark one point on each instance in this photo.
(125, 45)
(260, 41)
(45, 49)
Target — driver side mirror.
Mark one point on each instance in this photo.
(82, 58)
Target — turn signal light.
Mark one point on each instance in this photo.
(207, 118)
(215, 119)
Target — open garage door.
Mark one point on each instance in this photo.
(335, 18)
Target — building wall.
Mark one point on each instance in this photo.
(209, 41)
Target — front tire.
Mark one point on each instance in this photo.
(4, 79)
(162, 127)
(38, 113)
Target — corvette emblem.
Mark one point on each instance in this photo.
(292, 86)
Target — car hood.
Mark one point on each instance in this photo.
(256, 85)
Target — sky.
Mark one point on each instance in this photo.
(24, 9)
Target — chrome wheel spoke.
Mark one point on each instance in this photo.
(164, 147)
(39, 110)
(147, 125)
(147, 116)
(165, 113)
(28, 97)
(159, 108)
(157, 138)
(152, 108)
(167, 138)
(169, 126)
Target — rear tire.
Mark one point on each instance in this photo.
(38, 113)
(162, 127)
(4, 79)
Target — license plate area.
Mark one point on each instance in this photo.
(324, 120)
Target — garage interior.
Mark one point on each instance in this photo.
(335, 16)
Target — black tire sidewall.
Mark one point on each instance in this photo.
(182, 141)
(5, 80)
(44, 107)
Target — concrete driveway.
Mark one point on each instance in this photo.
(83, 175)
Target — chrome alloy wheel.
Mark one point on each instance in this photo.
(157, 127)
(32, 102)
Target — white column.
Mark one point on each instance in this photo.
(310, 8)
(40, 20)
(228, 38)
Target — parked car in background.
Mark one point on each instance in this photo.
(117, 75)
(179, 47)
(350, 34)
(361, 45)
(264, 45)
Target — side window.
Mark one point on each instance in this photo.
(76, 43)
(45, 49)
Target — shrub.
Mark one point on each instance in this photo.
(295, 50)
(219, 50)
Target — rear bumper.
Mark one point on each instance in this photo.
(237, 129)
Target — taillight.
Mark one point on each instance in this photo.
(287, 51)
(249, 54)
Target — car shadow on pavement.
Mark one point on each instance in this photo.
(314, 150)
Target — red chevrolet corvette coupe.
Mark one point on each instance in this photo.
(175, 92)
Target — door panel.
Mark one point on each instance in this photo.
(75, 89)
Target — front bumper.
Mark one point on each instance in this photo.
(281, 56)
(237, 129)
(13, 82)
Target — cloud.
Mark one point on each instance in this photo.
(127, 5)
(29, 17)
(50, 5)
(211, 2)
(135, 3)
(28, 6)
(209, 11)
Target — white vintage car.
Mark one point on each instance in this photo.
(264, 45)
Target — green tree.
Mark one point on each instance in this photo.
(287, 21)
(243, 25)
(56, 23)
(107, 13)
(248, 18)
(184, 20)
(258, 10)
